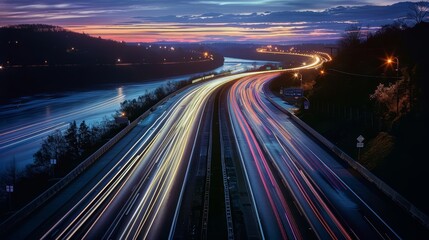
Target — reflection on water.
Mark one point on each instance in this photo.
(25, 122)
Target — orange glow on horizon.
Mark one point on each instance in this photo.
(178, 32)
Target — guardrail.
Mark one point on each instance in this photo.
(50, 192)
(386, 189)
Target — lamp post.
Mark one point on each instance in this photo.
(300, 77)
(390, 61)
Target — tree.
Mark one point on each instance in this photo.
(393, 99)
(84, 137)
(418, 11)
(53, 147)
(72, 141)
(352, 37)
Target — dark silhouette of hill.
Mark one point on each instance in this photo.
(42, 58)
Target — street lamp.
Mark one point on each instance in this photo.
(391, 61)
(394, 60)
(300, 77)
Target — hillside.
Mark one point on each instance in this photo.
(50, 58)
(361, 93)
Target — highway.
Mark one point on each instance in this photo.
(140, 188)
(337, 203)
(141, 185)
(141, 192)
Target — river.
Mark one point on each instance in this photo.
(28, 120)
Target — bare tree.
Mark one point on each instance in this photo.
(352, 36)
(418, 11)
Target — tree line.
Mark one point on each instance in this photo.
(61, 151)
(381, 75)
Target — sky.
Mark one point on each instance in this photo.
(267, 21)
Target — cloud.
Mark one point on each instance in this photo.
(186, 20)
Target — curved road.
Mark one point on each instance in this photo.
(138, 191)
(322, 188)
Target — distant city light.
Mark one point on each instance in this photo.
(118, 60)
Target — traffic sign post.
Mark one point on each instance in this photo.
(359, 144)
(53, 163)
(9, 190)
(306, 105)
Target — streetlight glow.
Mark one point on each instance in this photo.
(300, 78)
(392, 60)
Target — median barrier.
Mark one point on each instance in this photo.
(386, 189)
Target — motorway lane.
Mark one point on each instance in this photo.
(154, 168)
(330, 205)
(274, 215)
(140, 179)
(143, 180)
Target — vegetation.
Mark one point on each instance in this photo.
(363, 93)
(136, 107)
(69, 148)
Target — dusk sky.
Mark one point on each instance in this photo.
(275, 21)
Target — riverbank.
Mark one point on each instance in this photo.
(21, 81)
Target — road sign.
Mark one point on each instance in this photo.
(293, 92)
(9, 188)
(360, 138)
(306, 104)
(359, 145)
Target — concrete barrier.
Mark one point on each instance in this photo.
(386, 189)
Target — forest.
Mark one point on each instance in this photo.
(377, 87)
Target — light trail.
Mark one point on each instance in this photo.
(154, 163)
(139, 188)
(330, 206)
